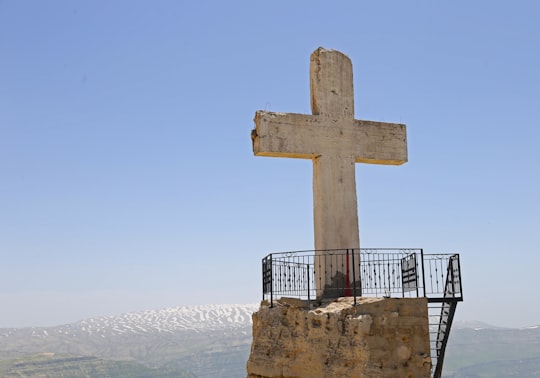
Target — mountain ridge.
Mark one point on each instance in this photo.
(170, 319)
(198, 317)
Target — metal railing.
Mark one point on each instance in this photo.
(403, 272)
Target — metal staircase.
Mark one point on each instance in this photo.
(441, 314)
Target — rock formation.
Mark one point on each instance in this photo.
(379, 337)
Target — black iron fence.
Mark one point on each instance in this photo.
(405, 272)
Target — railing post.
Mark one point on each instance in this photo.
(452, 282)
(354, 277)
(360, 272)
(460, 283)
(416, 272)
(423, 272)
(308, 285)
(347, 275)
(271, 282)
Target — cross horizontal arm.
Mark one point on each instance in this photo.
(285, 135)
(307, 136)
(380, 142)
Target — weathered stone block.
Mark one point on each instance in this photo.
(380, 337)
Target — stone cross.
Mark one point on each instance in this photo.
(334, 141)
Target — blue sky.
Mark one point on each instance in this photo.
(128, 180)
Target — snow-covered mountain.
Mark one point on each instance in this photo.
(204, 317)
(168, 320)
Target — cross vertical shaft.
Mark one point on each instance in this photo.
(334, 203)
(334, 186)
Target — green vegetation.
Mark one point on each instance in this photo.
(204, 354)
(524, 368)
(493, 353)
(47, 365)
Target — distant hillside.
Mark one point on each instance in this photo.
(522, 368)
(493, 352)
(214, 342)
(53, 365)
